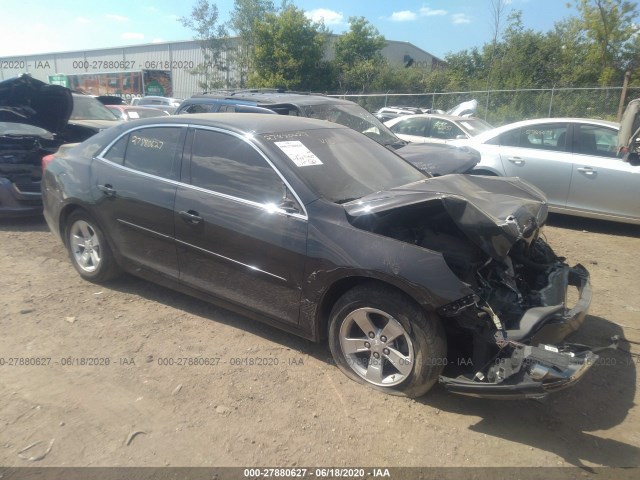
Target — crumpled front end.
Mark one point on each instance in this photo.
(504, 339)
(519, 353)
(525, 372)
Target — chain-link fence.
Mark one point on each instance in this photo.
(500, 107)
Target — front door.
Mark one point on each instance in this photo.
(233, 241)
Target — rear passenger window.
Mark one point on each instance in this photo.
(548, 136)
(155, 150)
(412, 126)
(227, 164)
(199, 108)
(445, 130)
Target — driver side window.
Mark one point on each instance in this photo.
(227, 164)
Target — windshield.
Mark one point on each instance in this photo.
(356, 117)
(88, 108)
(339, 165)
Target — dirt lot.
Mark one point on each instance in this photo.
(298, 409)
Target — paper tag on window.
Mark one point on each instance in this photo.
(298, 153)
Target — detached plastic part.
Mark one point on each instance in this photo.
(530, 372)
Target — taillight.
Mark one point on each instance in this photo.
(46, 160)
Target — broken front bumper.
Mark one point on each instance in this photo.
(527, 366)
(530, 372)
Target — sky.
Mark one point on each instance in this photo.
(436, 26)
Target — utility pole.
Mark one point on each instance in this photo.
(623, 95)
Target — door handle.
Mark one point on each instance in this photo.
(191, 217)
(107, 190)
(587, 170)
(516, 160)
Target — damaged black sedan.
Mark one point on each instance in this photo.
(314, 228)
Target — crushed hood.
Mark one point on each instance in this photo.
(24, 99)
(440, 158)
(492, 212)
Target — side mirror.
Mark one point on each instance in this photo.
(288, 204)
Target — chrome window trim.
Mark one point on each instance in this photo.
(301, 216)
(262, 154)
(250, 267)
(133, 225)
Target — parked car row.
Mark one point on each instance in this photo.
(574, 161)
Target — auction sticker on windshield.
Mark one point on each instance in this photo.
(298, 153)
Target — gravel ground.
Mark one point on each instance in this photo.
(295, 408)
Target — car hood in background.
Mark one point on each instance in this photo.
(492, 212)
(95, 124)
(440, 158)
(24, 99)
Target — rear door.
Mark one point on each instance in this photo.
(538, 154)
(135, 182)
(233, 241)
(601, 182)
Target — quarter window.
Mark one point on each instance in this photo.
(117, 150)
(227, 164)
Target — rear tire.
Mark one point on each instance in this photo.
(89, 250)
(381, 338)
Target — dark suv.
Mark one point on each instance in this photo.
(434, 159)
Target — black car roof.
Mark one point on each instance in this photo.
(242, 122)
(273, 98)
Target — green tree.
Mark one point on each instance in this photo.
(245, 15)
(357, 55)
(214, 43)
(288, 52)
(609, 27)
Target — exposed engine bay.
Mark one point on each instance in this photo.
(21, 155)
(499, 342)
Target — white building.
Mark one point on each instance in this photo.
(129, 70)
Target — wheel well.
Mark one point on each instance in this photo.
(481, 171)
(64, 216)
(336, 291)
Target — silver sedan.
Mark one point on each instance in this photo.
(574, 161)
(436, 128)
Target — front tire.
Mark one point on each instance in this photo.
(89, 249)
(381, 338)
